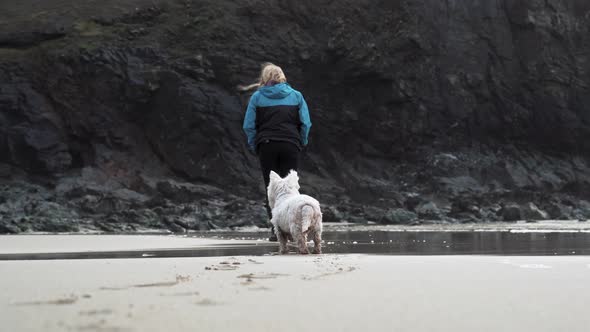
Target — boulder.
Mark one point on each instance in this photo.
(531, 212)
(511, 212)
(398, 217)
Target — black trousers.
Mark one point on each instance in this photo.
(277, 156)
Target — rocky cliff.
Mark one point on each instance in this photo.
(122, 116)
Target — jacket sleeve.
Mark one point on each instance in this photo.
(250, 122)
(305, 121)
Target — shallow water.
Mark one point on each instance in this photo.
(365, 242)
(448, 243)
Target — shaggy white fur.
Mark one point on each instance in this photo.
(294, 216)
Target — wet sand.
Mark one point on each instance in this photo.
(297, 293)
(252, 242)
(12, 244)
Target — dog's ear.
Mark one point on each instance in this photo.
(293, 177)
(274, 176)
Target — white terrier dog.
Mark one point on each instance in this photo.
(294, 216)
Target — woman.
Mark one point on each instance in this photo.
(276, 124)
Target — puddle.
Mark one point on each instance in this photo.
(364, 242)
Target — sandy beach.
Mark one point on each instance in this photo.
(295, 293)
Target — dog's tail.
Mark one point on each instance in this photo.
(247, 88)
(308, 216)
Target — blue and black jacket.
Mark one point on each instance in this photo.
(277, 113)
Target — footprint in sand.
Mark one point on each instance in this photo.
(64, 301)
(157, 284)
(208, 302)
(327, 274)
(230, 265)
(251, 276)
(96, 312)
(221, 268)
(247, 282)
(107, 288)
(179, 279)
(101, 327)
(262, 276)
(181, 294)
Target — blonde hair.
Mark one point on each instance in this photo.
(269, 72)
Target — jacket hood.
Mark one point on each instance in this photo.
(277, 91)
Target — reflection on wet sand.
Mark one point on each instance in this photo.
(361, 242)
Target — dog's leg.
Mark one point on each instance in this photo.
(317, 241)
(282, 241)
(299, 237)
(302, 243)
(303, 228)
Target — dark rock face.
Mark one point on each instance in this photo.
(511, 212)
(125, 116)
